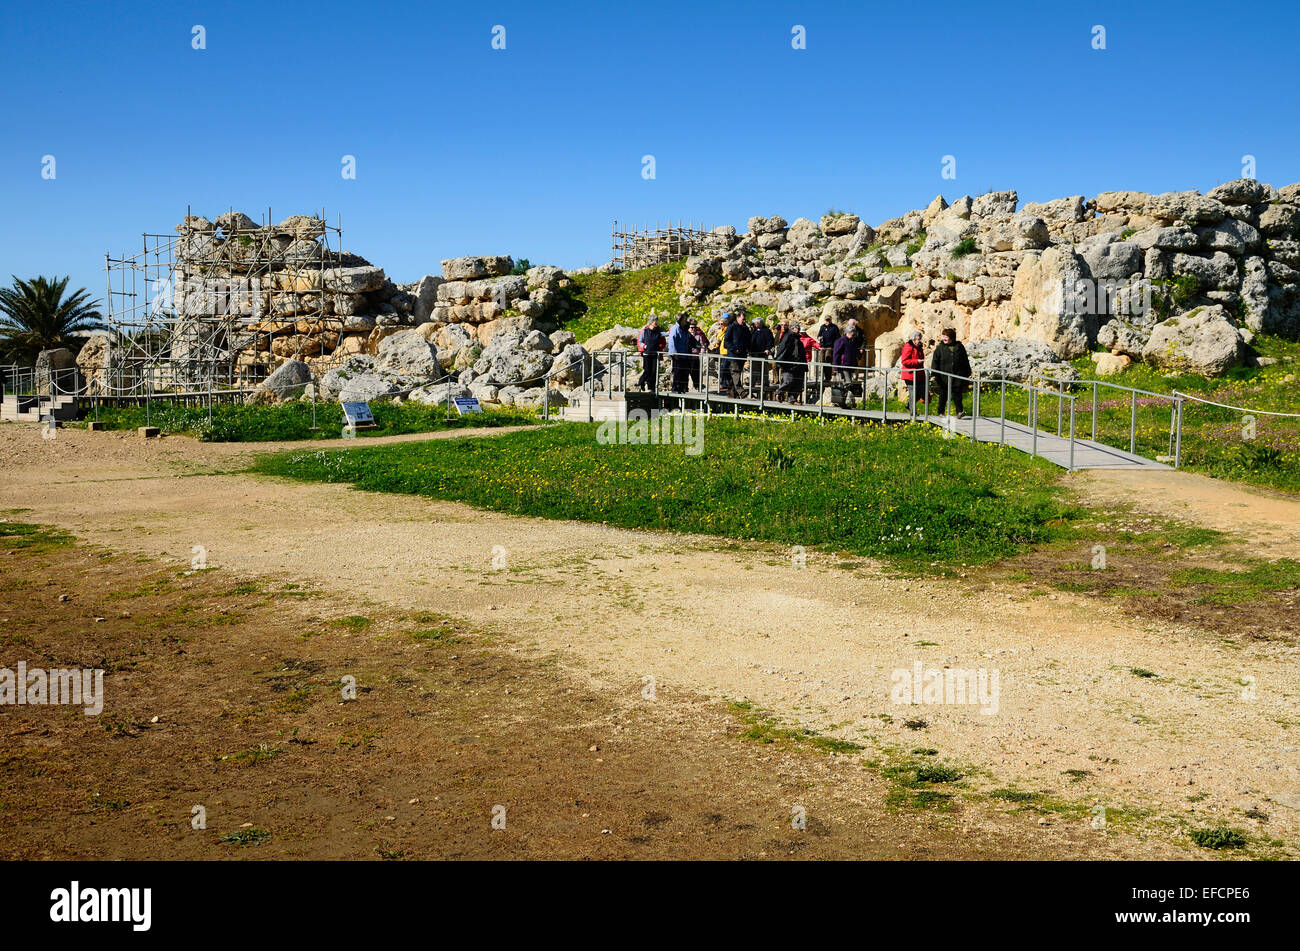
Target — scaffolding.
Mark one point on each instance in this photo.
(217, 305)
(643, 247)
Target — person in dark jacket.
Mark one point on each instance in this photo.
(680, 347)
(700, 345)
(789, 355)
(761, 342)
(827, 333)
(736, 341)
(950, 357)
(650, 342)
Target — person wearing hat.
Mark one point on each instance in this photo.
(913, 363)
(950, 357)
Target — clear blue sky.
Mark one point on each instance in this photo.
(534, 150)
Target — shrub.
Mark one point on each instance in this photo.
(1218, 837)
(964, 247)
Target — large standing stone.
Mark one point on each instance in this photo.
(1045, 305)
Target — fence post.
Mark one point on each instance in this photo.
(1178, 433)
(1071, 434)
(1094, 410)
(1033, 416)
(1002, 416)
(1133, 425)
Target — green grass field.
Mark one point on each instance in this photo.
(294, 420)
(901, 493)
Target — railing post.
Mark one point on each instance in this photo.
(1133, 425)
(1033, 416)
(975, 408)
(1178, 432)
(1002, 416)
(1071, 433)
(884, 398)
(1094, 410)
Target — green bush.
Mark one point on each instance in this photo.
(1218, 837)
(964, 247)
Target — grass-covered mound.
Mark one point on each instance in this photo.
(599, 301)
(903, 493)
(293, 420)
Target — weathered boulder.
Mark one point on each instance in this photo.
(288, 380)
(618, 337)
(1109, 364)
(1202, 341)
(1022, 232)
(1242, 191)
(1217, 272)
(994, 204)
(1059, 209)
(473, 268)
(570, 366)
(701, 274)
(353, 280)
(1124, 337)
(1280, 220)
(233, 221)
(837, 224)
(355, 381)
(1109, 258)
(1167, 239)
(1016, 359)
(407, 355)
(100, 362)
(56, 371)
(760, 225)
(439, 394)
(1230, 235)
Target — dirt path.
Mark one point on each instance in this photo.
(817, 645)
(1267, 523)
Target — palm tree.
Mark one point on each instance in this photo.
(35, 315)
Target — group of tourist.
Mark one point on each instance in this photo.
(833, 355)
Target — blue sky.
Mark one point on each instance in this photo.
(535, 149)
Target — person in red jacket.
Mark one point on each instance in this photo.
(913, 362)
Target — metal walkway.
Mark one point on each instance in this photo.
(1072, 454)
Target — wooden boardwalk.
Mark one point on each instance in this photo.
(1086, 453)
